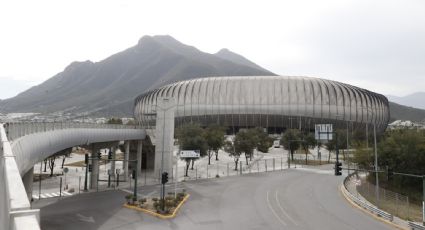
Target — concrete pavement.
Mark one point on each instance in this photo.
(289, 199)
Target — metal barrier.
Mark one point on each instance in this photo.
(415, 226)
(14, 130)
(365, 204)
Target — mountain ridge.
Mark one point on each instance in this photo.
(108, 87)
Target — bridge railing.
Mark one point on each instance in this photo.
(15, 130)
(15, 208)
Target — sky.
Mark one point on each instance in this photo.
(378, 45)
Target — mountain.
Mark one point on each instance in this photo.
(416, 100)
(109, 87)
(401, 112)
(236, 58)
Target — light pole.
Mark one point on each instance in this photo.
(376, 156)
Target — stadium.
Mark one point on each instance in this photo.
(276, 103)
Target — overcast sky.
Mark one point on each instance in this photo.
(378, 45)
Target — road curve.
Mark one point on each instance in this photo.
(289, 199)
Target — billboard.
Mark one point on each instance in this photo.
(323, 131)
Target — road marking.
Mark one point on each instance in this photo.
(88, 219)
(51, 195)
(273, 211)
(283, 210)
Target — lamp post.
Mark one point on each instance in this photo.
(376, 156)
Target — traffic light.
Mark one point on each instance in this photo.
(110, 155)
(86, 159)
(164, 178)
(390, 174)
(338, 168)
(99, 155)
(90, 167)
(133, 174)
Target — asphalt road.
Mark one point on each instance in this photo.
(289, 199)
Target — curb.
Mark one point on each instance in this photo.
(342, 188)
(161, 216)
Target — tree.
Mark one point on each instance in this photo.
(263, 141)
(331, 144)
(214, 135)
(308, 142)
(114, 121)
(233, 151)
(51, 161)
(191, 137)
(246, 141)
(291, 141)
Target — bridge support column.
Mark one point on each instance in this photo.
(139, 157)
(94, 175)
(28, 180)
(164, 142)
(113, 153)
(126, 158)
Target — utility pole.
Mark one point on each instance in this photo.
(87, 168)
(376, 167)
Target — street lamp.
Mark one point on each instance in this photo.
(376, 154)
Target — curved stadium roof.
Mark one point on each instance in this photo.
(267, 101)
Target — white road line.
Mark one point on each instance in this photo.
(34, 196)
(283, 210)
(48, 195)
(55, 193)
(43, 196)
(67, 193)
(273, 211)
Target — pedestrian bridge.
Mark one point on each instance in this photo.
(25, 144)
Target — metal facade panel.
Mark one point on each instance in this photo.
(269, 100)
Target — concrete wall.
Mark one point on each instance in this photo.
(15, 208)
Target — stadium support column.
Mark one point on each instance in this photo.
(94, 161)
(126, 158)
(164, 130)
(139, 157)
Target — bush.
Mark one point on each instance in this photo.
(155, 199)
(142, 201)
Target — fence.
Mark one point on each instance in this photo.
(392, 202)
(347, 189)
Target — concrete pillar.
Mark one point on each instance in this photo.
(139, 157)
(126, 158)
(164, 133)
(28, 180)
(94, 175)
